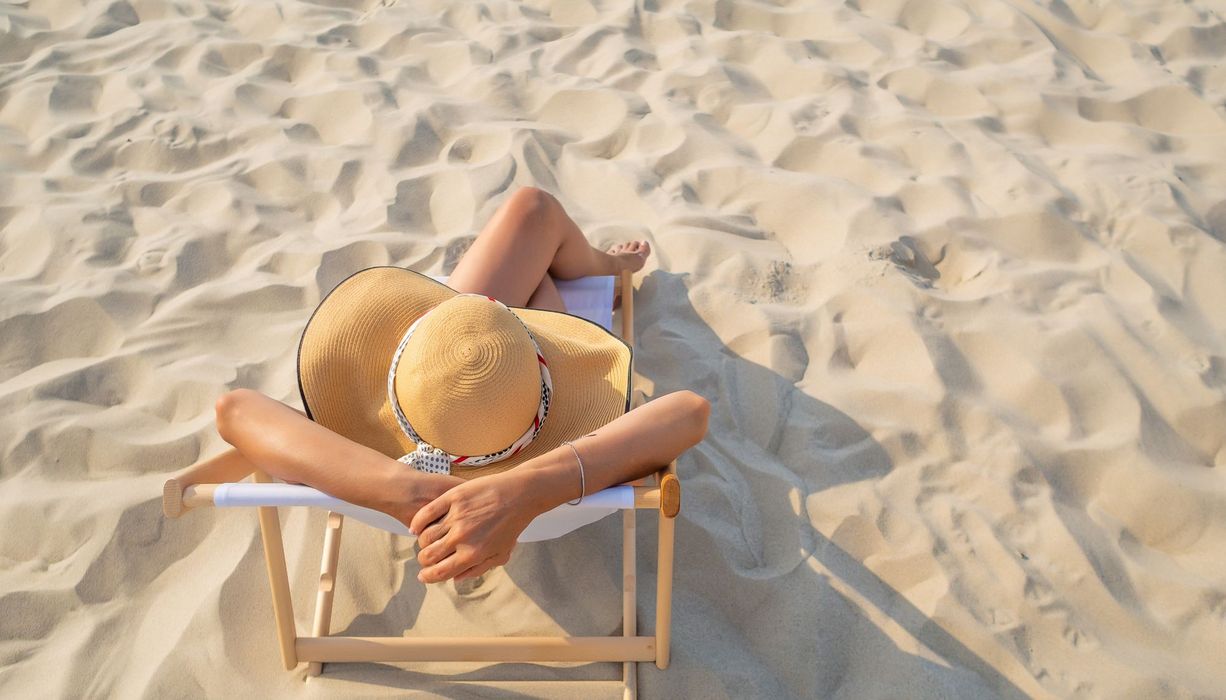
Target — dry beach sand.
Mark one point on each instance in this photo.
(953, 275)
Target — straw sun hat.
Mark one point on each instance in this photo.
(455, 383)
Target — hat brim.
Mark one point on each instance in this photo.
(348, 343)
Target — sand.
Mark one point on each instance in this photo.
(951, 274)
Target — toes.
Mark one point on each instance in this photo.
(638, 248)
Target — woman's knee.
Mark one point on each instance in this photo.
(532, 199)
(229, 407)
(698, 410)
(530, 205)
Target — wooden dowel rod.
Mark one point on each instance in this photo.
(199, 496)
(278, 579)
(646, 496)
(508, 649)
(670, 489)
(627, 292)
(629, 598)
(670, 496)
(629, 575)
(327, 582)
(664, 591)
(227, 466)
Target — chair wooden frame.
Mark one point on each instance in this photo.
(194, 488)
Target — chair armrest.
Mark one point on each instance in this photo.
(670, 490)
(178, 498)
(226, 467)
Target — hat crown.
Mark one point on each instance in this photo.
(468, 381)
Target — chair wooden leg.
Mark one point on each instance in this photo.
(629, 600)
(278, 579)
(664, 591)
(327, 583)
(627, 291)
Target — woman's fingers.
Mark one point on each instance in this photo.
(436, 552)
(469, 525)
(433, 533)
(429, 513)
(479, 569)
(447, 568)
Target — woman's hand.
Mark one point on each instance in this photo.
(415, 490)
(471, 528)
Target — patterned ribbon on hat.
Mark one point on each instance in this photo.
(430, 459)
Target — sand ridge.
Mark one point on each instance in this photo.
(950, 273)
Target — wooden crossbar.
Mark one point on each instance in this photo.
(508, 649)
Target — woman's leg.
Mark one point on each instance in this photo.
(547, 296)
(529, 239)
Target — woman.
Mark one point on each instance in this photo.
(459, 374)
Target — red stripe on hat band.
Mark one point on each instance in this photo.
(542, 359)
(457, 460)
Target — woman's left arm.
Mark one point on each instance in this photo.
(474, 526)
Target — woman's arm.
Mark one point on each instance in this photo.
(288, 445)
(473, 527)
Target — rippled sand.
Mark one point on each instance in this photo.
(951, 273)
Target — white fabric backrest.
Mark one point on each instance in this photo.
(588, 297)
(244, 495)
(546, 526)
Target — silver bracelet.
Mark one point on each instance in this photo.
(582, 482)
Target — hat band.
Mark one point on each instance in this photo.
(428, 458)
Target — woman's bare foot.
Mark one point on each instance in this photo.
(631, 256)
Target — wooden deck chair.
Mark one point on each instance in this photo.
(201, 486)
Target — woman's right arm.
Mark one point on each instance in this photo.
(473, 527)
(288, 445)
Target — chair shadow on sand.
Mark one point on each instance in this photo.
(755, 612)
